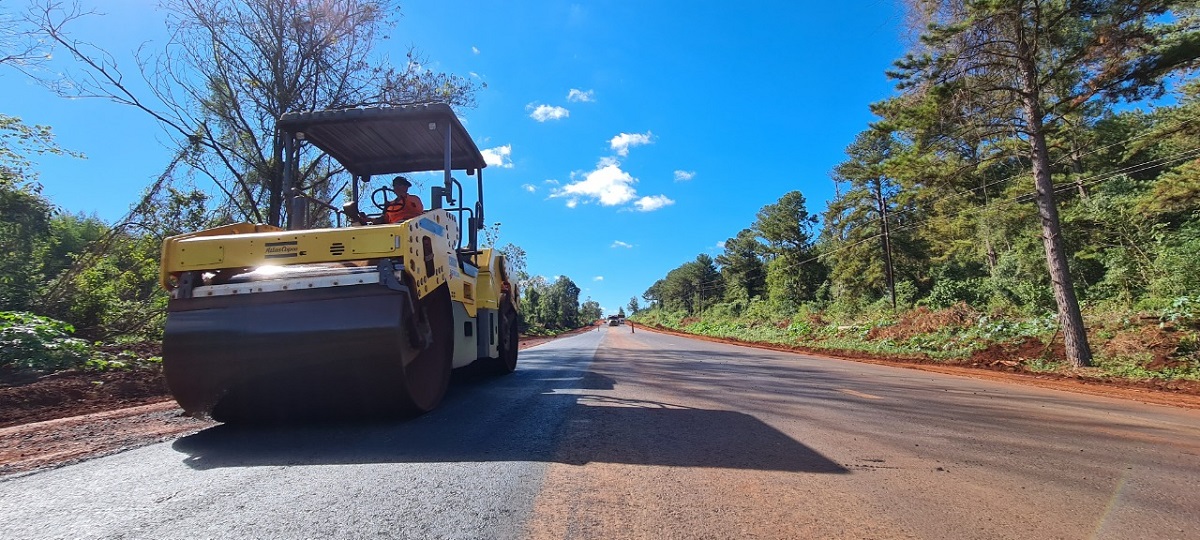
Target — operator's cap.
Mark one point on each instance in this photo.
(401, 181)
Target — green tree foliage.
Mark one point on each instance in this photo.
(532, 289)
(690, 287)
(859, 264)
(743, 267)
(589, 311)
(870, 245)
(555, 306)
(561, 303)
(633, 305)
(793, 273)
(774, 258)
(71, 235)
(24, 226)
(25, 214)
(786, 226)
(103, 279)
(653, 295)
(514, 259)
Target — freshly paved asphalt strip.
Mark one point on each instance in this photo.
(616, 435)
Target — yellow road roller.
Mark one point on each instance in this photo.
(365, 319)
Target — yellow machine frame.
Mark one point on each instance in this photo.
(245, 245)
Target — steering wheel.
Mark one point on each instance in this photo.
(385, 192)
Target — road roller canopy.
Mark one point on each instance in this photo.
(386, 140)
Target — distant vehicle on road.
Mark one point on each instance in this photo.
(615, 321)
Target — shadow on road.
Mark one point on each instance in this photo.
(548, 411)
(647, 433)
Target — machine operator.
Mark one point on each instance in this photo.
(404, 206)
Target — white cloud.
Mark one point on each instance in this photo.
(653, 202)
(607, 184)
(551, 182)
(577, 95)
(500, 156)
(684, 176)
(623, 142)
(473, 74)
(475, 49)
(598, 278)
(572, 203)
(542, 113)
(529, 187)
(618, 243)
(721, 244)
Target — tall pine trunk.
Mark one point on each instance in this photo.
(1079, 353)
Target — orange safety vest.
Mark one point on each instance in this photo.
(401, 209)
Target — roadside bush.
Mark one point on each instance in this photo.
(724, 310)
(762, 311)
(661, 317)
(1176, 263)
(31, 342)
(1183, 311)
(801, 328)
(843, 308)
(948, 291)
(906, 294)
(1020, 282)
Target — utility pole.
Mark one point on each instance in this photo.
(887, 241)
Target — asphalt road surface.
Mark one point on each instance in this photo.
(613, 435)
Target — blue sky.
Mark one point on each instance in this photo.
(628, 136)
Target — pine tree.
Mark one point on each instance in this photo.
(1044, 60)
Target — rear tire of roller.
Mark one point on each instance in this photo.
(509, 338)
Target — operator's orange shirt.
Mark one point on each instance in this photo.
(401, 209)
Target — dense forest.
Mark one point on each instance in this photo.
(1038, 159)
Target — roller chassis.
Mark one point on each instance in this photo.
(363, 319)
